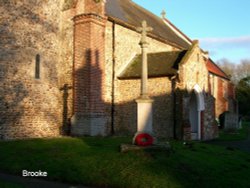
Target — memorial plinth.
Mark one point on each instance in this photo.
(145, 115)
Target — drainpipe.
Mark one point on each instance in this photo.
(113, 81)
(173, 83)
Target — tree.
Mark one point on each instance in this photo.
(243, 96)
(243, 69)
(235, 71)
(229, 68)
(240, 76)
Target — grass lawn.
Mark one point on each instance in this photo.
(5, 184)
(98, 162)
(241, 134)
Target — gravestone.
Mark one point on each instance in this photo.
(231, 121)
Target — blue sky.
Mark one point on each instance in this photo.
(221, 26)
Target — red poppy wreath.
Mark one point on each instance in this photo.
(144, 139)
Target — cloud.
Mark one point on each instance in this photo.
(227, 42)
(233, 48)
(213, 52)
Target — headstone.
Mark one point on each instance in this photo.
(240, 122)
(231, 121)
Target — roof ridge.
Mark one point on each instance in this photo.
(178, 30)
(162, 20)
(146, 10)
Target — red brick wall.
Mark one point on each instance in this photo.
(89, 64)
(231, 90)
(221, 102)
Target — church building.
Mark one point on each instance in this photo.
(73, 67)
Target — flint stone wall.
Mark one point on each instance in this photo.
(32, 107)
(125, 45)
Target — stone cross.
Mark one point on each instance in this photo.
(163, 14)
(143, 43)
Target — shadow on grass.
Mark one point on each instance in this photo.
(98, 162)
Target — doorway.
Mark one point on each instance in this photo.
(196, 105)
(194, 117)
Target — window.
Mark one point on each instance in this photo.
(37, 67)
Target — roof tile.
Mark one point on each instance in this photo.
(129, 12)
(159, 64)
(213, 68)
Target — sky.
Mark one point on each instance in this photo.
(221, 26)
